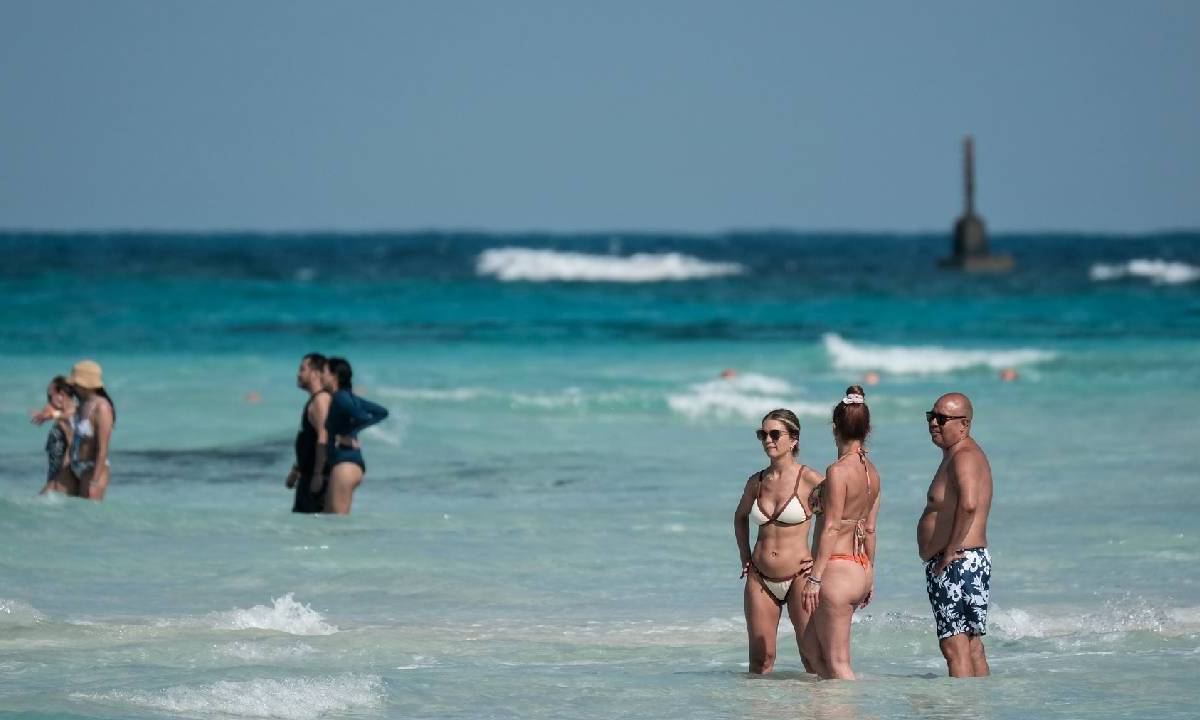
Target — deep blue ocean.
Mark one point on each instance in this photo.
(544, 529)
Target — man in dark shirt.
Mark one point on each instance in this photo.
(308, 473)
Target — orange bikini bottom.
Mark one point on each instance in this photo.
(860, 559)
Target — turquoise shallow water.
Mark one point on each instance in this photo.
(544, 528)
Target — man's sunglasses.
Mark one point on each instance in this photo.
(773, 434)
(942, 419)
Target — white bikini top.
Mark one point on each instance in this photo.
(82, 427)
(792, 512)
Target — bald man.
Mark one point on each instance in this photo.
(952, 537)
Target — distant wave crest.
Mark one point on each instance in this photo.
(748, 396)
(462, 394)
(922, 360)
(1159, 271)
(514, 264)
(286, 698)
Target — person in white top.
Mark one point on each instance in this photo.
(774, 498)
(93, 426)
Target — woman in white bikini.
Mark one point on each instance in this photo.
(773, 500)
(93, 426)
(843, 574)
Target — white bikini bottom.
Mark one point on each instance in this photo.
(780, 587)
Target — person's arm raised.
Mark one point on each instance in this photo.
(48, 412)
(366, 413)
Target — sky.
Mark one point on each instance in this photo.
(556, 115)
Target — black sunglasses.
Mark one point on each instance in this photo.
(774, 434)
(942, 419)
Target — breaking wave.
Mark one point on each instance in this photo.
(1159, 271)
(515, 264)
(15, 612)
(923, 360)
(748, 396)
(283, 615)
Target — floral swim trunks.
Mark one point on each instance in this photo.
(959, 595)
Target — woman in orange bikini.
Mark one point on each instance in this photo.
(780, 559)
(843, 575)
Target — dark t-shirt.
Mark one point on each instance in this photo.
(307, 501)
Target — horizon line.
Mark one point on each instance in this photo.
(628, 232)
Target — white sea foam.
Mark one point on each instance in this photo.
(284, 615)
(435, 394)
(922, 360)
(1159, 271)
(286, 699)
(1188, 617)
(1130, 615)
(748, 396)
(513, 264)
(570, 397)
(16, 612)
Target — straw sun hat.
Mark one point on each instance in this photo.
(86, 374)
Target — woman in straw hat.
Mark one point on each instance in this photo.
(92, 425)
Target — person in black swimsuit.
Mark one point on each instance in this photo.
(308, 473)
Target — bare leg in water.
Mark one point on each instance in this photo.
(828, 633)
(965, 656)
(344, 479)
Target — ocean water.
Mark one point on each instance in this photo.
(544, 530)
